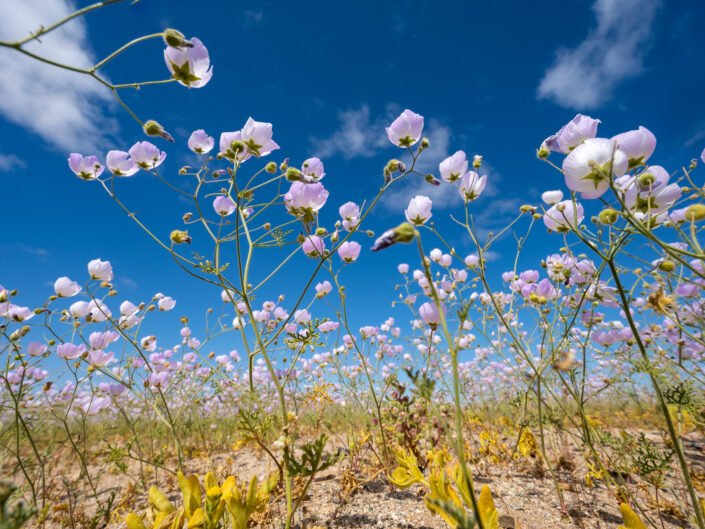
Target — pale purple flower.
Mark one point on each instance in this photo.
(587, 168)
(166, 303)
(552, 197)
(65, 288)
(146, 155)
(100, 358)
(304, 200)
(302, 316)
(471, 261)
(79, 309)
(406, 130)
(329, 326)
(403, 268)
(224, 205)
(257, 136)
(419, 210)
(98, 311)
(314, 246)
(638, 145)
(563, 216)
(429, 314)
(200, 142)
(702, 156)
(350, 213)
(101, 340)
(119, 163)
(36, 348)
(101, 270)
(650, 193)
(190, 65)
(227, 149)
(572, 134)
(454, 167)
(323, 288)
(313, 169)
(88, 167)
(472, 185)
(69, 351)
(349, 251)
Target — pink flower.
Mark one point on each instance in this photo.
(403, 268)
(323, 288)
(552, 197)
(638, 145)
(472, 185)
(69, 351)
(429, 314)
(224, 205)
(589, 167)
(350, 213)
(166, 303)
(305, 200)
(454, 167)
(65, 288)
(120, 164)
(257, 136)
(349, 251)
(100, 270)
(190, 64)
(564, 216)
(572, 134)
(146, 155)
(419, 210)
(302, 316)
(406, 130)
(313, 169)
(314, 246)
(88, 168)
(200, 142)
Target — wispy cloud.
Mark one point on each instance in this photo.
(64, 108)
(251, 17)
(586, 76)
(8, 162)
(19, 247)
(357, 135)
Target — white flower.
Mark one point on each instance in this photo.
(472, 185)
(453, 167)
(564, 216)
(65, 288)
(101, 270)
(590, 166)
(166, 303)
(406, 130)
(552, 197)
(419, 210)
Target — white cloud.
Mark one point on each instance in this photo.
(586, 76)
(357, 135)
(8, 162)
(64, 108)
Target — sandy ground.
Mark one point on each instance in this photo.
(525, 498)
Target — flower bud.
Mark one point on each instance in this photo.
(175, 39)
(477, 161)
(293, 174)
(425, 142)
(271, 167)
(180, 237)
(154, 129)
(542, 152)
(695, 212)
(432, 180)
(526, 208)
(667, 266)
(187, 216)
(284, 165)
(607, 216)
(320, 231)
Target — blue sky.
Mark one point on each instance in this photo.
(493, 78)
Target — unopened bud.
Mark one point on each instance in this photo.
(187, 216)
(175, 39)
(293, 174)
(271, 167)
(180, 237)
(667, 266)
(607, 216)
(542, 152)
(695, 212)
(154, 129)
